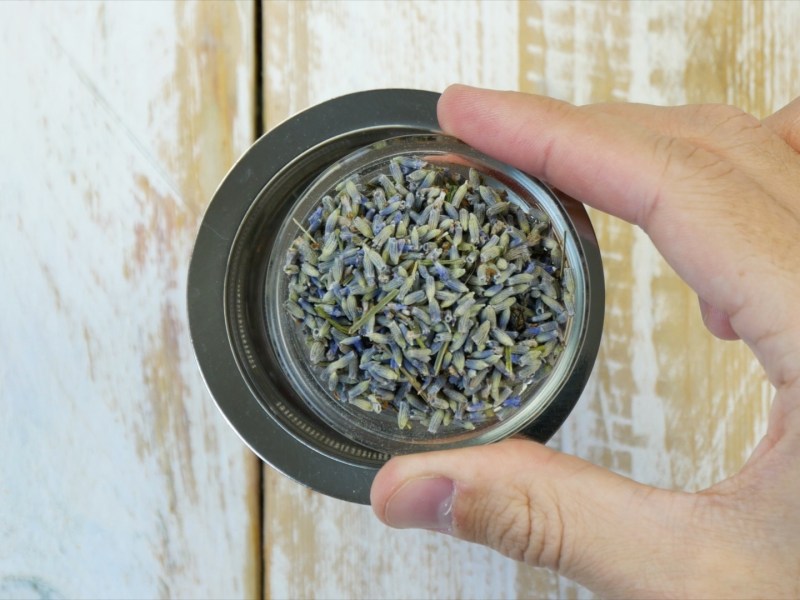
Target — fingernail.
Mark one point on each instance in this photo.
(422, 504)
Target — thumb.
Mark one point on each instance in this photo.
(543, 507)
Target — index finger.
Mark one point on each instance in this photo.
(606, 162)
(712, 220)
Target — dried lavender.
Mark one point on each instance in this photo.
(430, 294)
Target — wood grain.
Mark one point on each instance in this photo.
(667, 403)
(119, 478)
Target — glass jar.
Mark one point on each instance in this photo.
(251, 353)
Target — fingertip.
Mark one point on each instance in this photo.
(378, 494)
(386, 482)
(459, 104)
(454, 89)
(466, 465)
(448, 104)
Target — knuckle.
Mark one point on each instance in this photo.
(523, 524)
(545, 540)
(725, 123)
(664, 152)
(498, 520)
(552, 150)
(685, 163)
(714, 115)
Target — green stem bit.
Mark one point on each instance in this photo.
(437, 366)
(508, 360)
(427, 262)
(414, 383)
(331, 320)
(373, 311)
(414, 268)
(305, 231)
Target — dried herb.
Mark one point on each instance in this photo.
(430, 294)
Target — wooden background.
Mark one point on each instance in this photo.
(118, 476)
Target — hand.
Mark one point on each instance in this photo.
(718, 192)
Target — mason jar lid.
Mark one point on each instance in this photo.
(247, 349)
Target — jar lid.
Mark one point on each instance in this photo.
(233, 328)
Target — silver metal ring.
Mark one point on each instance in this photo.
(226, 282)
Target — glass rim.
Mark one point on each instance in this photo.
(356, 424)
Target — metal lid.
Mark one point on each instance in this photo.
(227, 277)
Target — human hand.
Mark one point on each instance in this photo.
(718, 192)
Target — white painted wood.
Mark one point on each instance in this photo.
(118, 478)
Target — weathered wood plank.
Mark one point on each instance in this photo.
(120, 479)
(667, 403)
